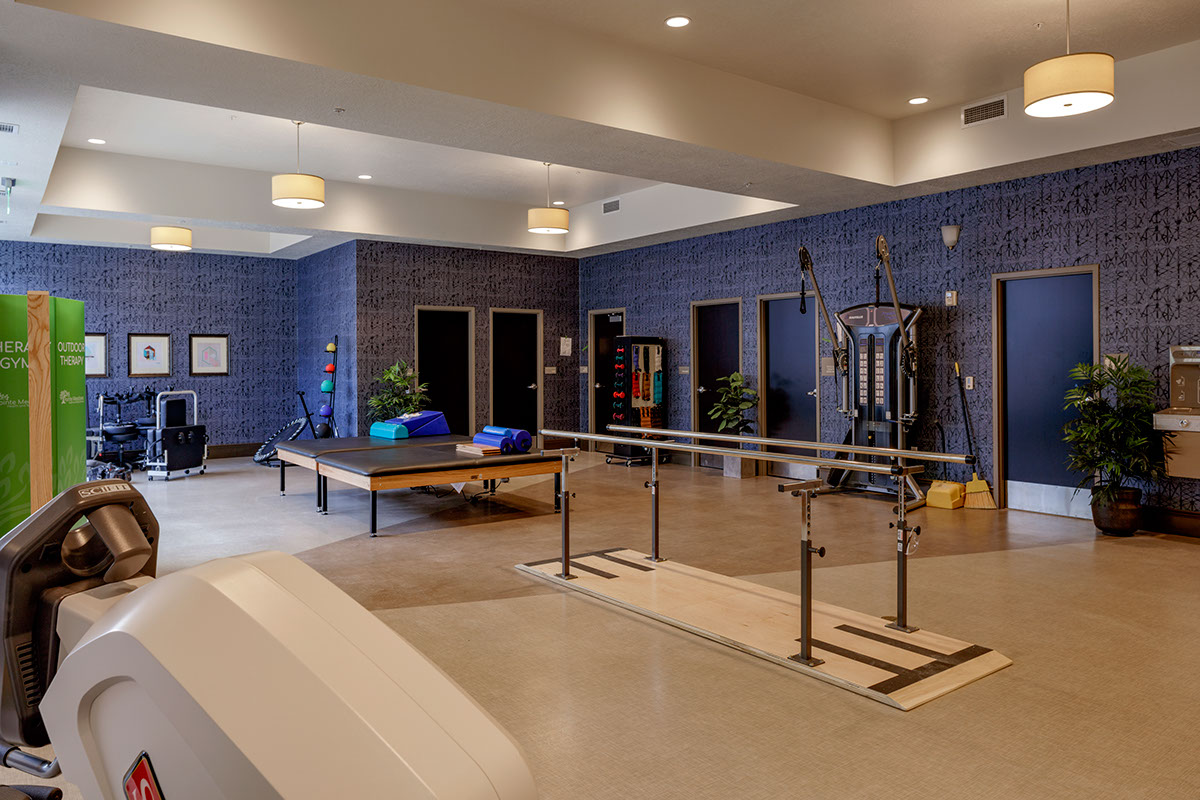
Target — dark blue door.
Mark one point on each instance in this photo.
(790, 370)
(1048, 329)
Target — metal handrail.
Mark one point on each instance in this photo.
(891, 452)
(754, 455)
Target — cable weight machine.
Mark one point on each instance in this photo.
(875, 364)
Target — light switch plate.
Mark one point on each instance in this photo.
(970, 381)
(685, 370)
(551, 370)
(583, 370)
(828, 366)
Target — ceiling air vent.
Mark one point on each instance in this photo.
(612, 206)
(9, 127)
(984, 111)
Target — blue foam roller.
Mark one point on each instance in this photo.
(521, 440)
(491, 440)
(388, 430)
(496, 430)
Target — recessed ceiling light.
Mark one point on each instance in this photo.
(560, 202)
(364, 177)
(916, 101)
(97, 141)
(677, 22)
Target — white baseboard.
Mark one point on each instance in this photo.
(1044, 499)
(796, 472)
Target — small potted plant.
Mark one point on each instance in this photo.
(734, 399)
(1113, 442)
(399, 393)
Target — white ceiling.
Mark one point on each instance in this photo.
(874, 55)
(454, 117)
(150, 126)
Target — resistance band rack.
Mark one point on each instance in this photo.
(906, 535)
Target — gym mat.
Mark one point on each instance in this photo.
(902, 670)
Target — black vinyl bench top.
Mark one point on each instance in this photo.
(317, 448)
(431, 458)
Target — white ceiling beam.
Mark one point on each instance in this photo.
(89, 182)
(1157, 95)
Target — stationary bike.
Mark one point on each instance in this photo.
(246, 678)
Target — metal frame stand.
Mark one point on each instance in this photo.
(652, 485)
(282, 478)
(564, 497)
(905, 545)
(805, 490)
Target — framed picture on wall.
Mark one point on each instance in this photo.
(209, 353)
(95, 355)
(149, 355)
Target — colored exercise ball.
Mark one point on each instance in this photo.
(331, 348)
(327, 386)
(326, 410)
(323, 431)
(330, 368)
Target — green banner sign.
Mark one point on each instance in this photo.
(14, 412)
(69, 404)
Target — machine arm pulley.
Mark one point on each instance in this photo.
(841, 353)
(909, 361)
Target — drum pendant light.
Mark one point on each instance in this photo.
(170, 237)
(1072, 84)
(549, 219)
(295, 189)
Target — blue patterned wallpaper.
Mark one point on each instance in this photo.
(393, 278)
(127, 290)
(327, 306)
(1138, 219)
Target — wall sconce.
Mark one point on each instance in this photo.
(950, 235)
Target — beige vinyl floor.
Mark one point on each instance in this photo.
(1101, 701)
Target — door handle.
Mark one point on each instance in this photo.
(531, 386)
(599, 386)
(701, 390)
(813, 393)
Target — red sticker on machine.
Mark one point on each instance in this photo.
(141, 782)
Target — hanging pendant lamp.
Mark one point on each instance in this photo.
(170, 237)
(295, 189)
(1072, 84)
(549, 219)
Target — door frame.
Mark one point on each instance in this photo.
(541, 344)
(693, 394)
(759, 307)
(470, 310)
(998, 409)
(591, 336)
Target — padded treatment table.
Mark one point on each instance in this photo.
(405, 467)
(304, 453)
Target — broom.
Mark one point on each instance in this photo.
(979, 494)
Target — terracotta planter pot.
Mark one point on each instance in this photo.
(1121, 516)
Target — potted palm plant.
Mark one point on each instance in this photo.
(734, 399)
(1113, 442)
(400, 393)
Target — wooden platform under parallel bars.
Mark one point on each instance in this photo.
(902, 670)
